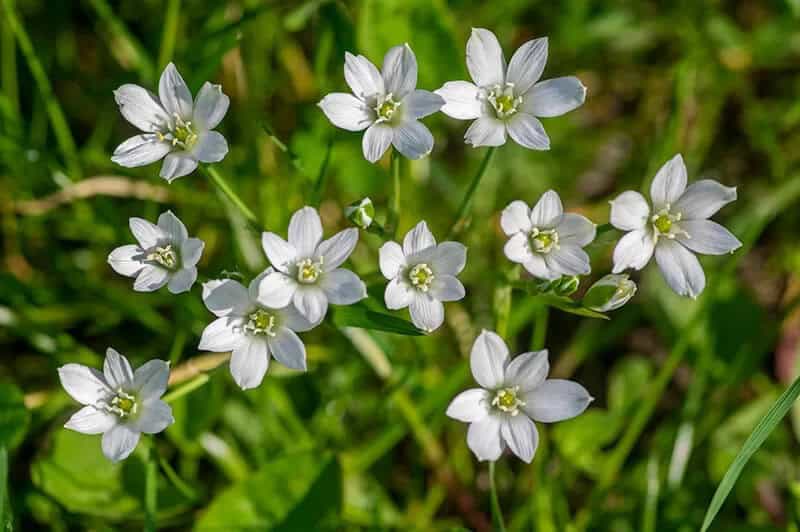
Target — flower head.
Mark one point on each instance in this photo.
(252, 330)
(306, 268)
(513, 394)
(119, 403)
(508, 99)
(174, 127)
(675, 227)
(422, 275)
(609, 293)
(165, 255)
(387, 105)
(545, 240)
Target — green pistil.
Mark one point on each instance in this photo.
(421, 277)
(663, 223)
(261, 323)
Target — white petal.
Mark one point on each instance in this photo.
(249, 362)
(148, 234)
(461, 100)
(554, 97)
(548, 211)
(398, 294)
(556, 400)
(90, 420)
(346, 111)
(221, 336)
(488, 360)
(305, 231)
(527, 370)
(702, 199)
(418, 239)
(483, 438)
(527, 64)
(155, 417)
(518, 249)
(447, 288)
(521, 436)
(288, 349)
(449, 258)
(85, 385)
(486, 131)
(568, 259)
(276, 289)
(225, 296)
(311, 302)
(576, 229)
(485, 60)
(141, 108)
(191, 251)
(362, 76)
(413, 139)
(182, 280)
(211, 106)
(376, 141)
(343, 287)
(527, 131)
(392, 259)
(126, 260)
(421, 103)
(150, 379)
(680, 268)
(280, 253)
(291, 318)
(426, 312)
(174, 94)
(117, 370)
(172, 226)
(119, 442)
(516, 218)
(151, 278)
(629, 211)
(470, 405)
(211, 147)
(633, 250)
(399, 71)
(335, 250)
(536, 266)
(669, 183)
(707, 237)
(140, 150)
(177, 164)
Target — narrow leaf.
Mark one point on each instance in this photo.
(360, 316)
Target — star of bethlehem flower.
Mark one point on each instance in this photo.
(508, 99)
(119, 403)
(174, 127)
(545, 240)
(165, 255)
(676, 227)
(513, 394)
(251, 330)
(422, 275)
(387, 105)
(306, 268)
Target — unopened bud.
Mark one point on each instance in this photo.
(361, 213)
(609, 293)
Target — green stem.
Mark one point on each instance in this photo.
(497, 513)
(225, 188)
(136, 52)
(176, 480)
(322, 177)
(170, 32)
(540, 328)
(394, 209)
(9, 59)
(461, 215)
(186, 388)
(151, 491)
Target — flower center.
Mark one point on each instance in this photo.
(544, 240)
(506, 400)
(182, 134)
(261, 322)
(421, 276)
(122, 405)
(166, 256)
(664, 223)
(386, 108)
(503, 100)
(309, 271)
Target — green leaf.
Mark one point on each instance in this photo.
(14, 417)
(5, 513)
(360, 316)
(568, 305)
(295, 492)
(764, 428)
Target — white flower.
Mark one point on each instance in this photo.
(545, 240)
(307, 271)
(508, 99)
(609, 293)
(252, 330)
(174, 127)
(165, 255)
(513, 394)
(422, 274)
(388, 107)
(676, 226)
(119, 403)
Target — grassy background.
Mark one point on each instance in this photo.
(360, 442)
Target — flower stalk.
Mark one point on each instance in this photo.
(497, 512)
(461, 215)
(222, 184)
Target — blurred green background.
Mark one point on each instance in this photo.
(361, 442)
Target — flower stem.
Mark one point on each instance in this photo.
(169, 33)
(393, 219)
(225, 188)
(186, 388)
(461, 215)
(497, 513)
(151, 491)
(322, 177)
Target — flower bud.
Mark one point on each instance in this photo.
(609, 293)
(567, 285)
(361, 213)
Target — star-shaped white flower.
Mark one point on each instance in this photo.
(676, 226)
(422, 275)
(388, 106)
(545, 240)
(508, 99)
(174, 127)
(307, 271)
(165, 255)
(119, 403)
(513, 394)
(252, 330)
